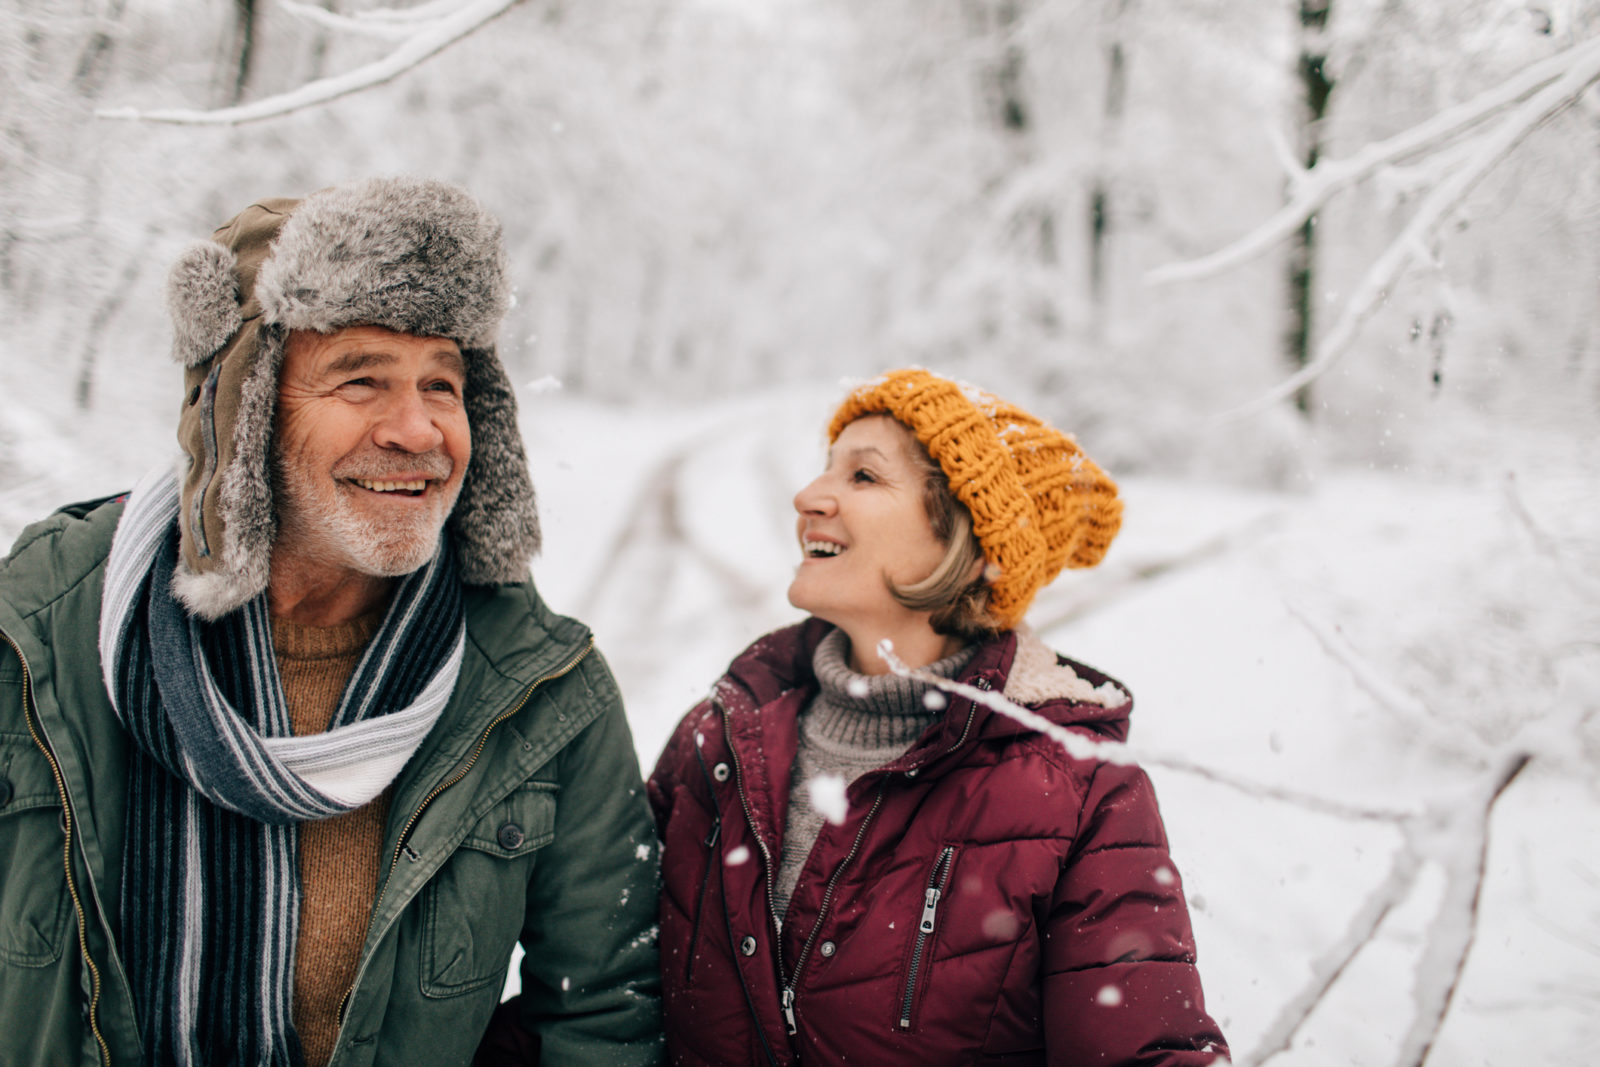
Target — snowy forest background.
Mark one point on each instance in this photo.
(1359, 606)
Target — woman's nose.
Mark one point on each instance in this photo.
(814, 498)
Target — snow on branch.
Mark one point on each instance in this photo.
(456, 20)
(1081, 747)
(1373, 288)
(355, 24)
(1313, 187)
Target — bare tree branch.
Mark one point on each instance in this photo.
(464, 19)
(1081, 747)
(1450, 936)
(1327, 969)
(1315, 186)
(1374, 287)
(359, 24)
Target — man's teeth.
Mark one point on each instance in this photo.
(392, 487)
(822, 548)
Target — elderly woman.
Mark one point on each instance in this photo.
(859, 868)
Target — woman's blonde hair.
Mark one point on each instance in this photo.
(958, 606)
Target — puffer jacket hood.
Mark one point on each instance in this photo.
(1016, 663)
(413, 255)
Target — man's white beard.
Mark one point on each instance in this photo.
(329, 529)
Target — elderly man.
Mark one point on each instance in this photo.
(291, 752)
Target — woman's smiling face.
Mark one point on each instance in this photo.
(861, 521)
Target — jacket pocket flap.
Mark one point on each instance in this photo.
(26, 781)
(522, 822)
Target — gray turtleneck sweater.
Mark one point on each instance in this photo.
(855, 723)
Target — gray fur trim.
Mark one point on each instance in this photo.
(496, 519)
(203, 300)
(418, 257)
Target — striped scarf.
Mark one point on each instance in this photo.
(218, 784)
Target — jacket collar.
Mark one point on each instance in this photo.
(771, 681)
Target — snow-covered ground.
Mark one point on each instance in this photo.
(1378, 640)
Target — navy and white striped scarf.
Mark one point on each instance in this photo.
(218, 785)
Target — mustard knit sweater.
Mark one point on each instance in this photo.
(339, 857)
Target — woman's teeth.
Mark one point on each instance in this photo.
(822, 548)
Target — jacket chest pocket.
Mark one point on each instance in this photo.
(472, 909)
(934, 889)
(34, 905)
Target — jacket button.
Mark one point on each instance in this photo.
(5, 792)
(510, 835)
(748, 946)
(720, 772)
(827, 948)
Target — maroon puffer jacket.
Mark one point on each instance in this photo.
(988, 899)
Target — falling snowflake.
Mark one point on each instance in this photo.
(828, 797)
(1108, 997)
(737, 855)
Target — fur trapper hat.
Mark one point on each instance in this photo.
(1037, 502)
(413, 255)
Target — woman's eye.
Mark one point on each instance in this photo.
(862, 475)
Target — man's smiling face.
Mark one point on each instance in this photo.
(370, 448)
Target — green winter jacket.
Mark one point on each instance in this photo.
(521, 816)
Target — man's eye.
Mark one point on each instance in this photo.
(362, 382)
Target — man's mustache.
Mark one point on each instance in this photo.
(379, 466)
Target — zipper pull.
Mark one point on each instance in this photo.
(930, 903)
(788, 1010)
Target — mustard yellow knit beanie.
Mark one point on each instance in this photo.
(1038, 503)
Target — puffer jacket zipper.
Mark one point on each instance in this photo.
(790, 978)
(402, 847)
(29, 715)
(931, 895)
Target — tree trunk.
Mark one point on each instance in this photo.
(1316, 87)
(1100, 192)
(242, 53)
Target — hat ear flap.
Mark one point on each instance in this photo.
(203, 299)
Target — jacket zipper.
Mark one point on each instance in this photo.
(66, 851)
(461, 772)
(790, 980)
(822, 910)
(931, 896)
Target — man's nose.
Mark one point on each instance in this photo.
(407, 424)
